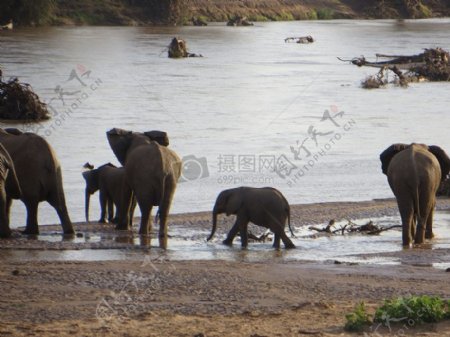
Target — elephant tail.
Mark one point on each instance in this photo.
(288, 210)
(214, 225)
(289, 220)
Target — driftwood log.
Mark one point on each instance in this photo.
(431, 65)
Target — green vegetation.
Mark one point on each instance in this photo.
(413, 310)
(417, 309)
(147, 12)
(358, 319)
(325, 14)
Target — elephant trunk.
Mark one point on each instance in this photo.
(214, 221)
(86, 204)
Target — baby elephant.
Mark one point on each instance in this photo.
(265, 207)
(109, 179)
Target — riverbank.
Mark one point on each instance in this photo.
(153, 295)
(179, 12)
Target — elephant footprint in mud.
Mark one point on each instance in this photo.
(414, 174)
(265, 207)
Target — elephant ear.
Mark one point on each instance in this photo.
(443, 159)
(234, 202)
(387, 155)
(158, 136)
(119, 141)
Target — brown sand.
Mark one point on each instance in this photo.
(157, 297)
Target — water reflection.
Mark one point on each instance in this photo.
(189, 244)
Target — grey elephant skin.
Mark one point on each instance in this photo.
(108, 180)
(39, 175)
(414, 173)
(151, 174)
(7, 186)
(266, 207)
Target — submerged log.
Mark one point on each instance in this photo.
(178, 49)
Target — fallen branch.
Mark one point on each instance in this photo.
(369, 228)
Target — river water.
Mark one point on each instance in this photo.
(242, 110)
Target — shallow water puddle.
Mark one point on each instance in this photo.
(188, 244)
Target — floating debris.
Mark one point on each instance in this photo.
(432, 65)
(19, 102)
(178, 49)
(301, 39)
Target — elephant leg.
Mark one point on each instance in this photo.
(164, 208)
(131, 212)
(146, 209)
(422, 222)
(429, 229)
(103, 205)
(32, 213)
(276, 241)
(425, 220)
(57, 200)
(59, 204)
(288, 244)
(406, 209)
(280, 234)
(5, 231)
(243, 229)
(233, 231)
(123, 221)
(110, 211)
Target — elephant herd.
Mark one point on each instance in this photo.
(30, 171)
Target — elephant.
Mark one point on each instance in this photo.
(39, 174)
(414, 174)
(109, 180)
(7, 186)
(151, 174)
(266, 207)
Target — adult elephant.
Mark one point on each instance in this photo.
(265, 207)
(108, 180)
(39, 175)
(414, 173)
(151, 174)
(10, 186)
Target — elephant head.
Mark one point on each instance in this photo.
(387, 155)
(443, 159)
(121, 140)
(228, 202)
(91, 176)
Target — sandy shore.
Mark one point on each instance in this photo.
(155, 296)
